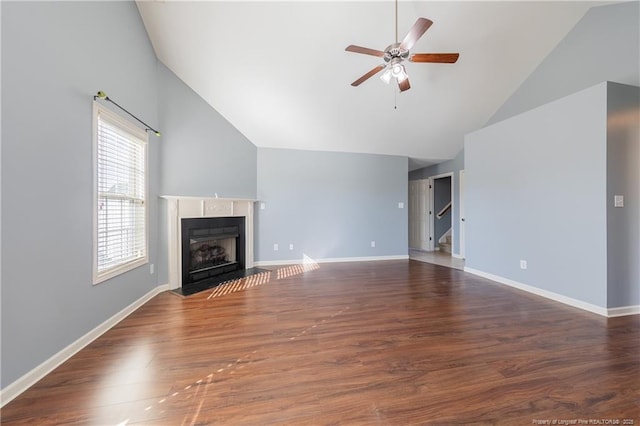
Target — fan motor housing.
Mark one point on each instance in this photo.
(394, 51)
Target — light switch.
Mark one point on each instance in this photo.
(262, 206)
(618, 200)
(401, 205)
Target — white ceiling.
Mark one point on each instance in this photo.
(279, 73)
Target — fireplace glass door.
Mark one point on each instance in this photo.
(211, 247)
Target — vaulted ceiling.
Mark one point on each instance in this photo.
(278, 71)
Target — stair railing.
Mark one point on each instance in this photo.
(444, 210)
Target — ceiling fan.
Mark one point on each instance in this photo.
(396, 53)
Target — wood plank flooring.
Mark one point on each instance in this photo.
(390, 343)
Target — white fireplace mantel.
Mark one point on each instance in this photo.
(181, 207)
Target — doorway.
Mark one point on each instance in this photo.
(428, 199)
(442, 230)
(431, 213)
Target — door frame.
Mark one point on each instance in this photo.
(462, 223)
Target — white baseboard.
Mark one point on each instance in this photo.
(623, 311)
(456, 256)
(25, 382)
(540, 292)
(329, 260)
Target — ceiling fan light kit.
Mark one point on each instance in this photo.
(396, 53)
(386, 76)
(395, 70)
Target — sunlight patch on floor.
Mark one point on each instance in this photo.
(241, 284)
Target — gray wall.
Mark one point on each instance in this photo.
(623, 178)
(201, 153)
(604, 45)
(330, 205)
(535, 190)
(451, 166)
(55, 57)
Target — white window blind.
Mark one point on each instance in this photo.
(121, 195)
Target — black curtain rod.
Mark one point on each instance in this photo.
(104, 96)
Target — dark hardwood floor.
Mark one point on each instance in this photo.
(393, 342)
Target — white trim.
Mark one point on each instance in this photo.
(457, 256)
(330, 260)
(441, 175)
(461, 219)
(539, 292)
(29, 379)
(623, 311)
(186, 197)
(432, 215)
(118, 270)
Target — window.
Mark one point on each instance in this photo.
(120, 187)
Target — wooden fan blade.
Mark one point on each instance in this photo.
(419, 28)
(364, 50)
(368, 75)
(404, 84)
(443, 58)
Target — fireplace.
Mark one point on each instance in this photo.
(208, 219)
(212, 248)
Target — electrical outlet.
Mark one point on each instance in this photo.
(523, 264)
(291, 246)
(275, 247)
(373, 243)
(401, 205)
(618, 201)
(262, 206)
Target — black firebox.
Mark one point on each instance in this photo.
(212, 249)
